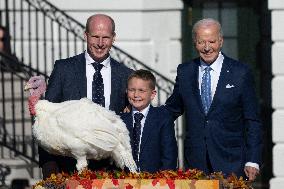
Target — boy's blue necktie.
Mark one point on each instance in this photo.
(206, 89)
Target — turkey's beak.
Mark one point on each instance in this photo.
(27, 87)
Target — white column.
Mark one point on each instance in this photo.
(277, 27)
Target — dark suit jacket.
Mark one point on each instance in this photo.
(231, 131)
(158, 149)
(68, 82)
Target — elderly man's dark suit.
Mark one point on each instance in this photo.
(68, 82)
(231, 131)
(158, 149)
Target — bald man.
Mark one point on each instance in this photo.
(72, 79)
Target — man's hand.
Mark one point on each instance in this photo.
(251, 172)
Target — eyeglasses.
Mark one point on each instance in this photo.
(2, 38)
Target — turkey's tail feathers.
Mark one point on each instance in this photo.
(124, 158)
(129, 162)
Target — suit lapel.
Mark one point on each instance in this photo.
(223, 80)
(115, 83)
(128, 120)
(129, 123)
(148, 127)
(195, 79)
(81, 80)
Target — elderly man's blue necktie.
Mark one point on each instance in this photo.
(136, 135)
(206, 89)
(98, 85)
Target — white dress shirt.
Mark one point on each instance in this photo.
(216, 67)
(106, 74)
(145, 113)
(215, 74)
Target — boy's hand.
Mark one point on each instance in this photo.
(127, 109)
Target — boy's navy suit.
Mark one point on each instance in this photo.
(158, 148)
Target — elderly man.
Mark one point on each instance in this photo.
(217, 95)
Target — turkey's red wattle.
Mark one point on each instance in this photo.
(31, 103)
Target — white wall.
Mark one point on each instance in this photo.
(149, 30)
(277, 16)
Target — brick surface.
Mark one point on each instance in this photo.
(278, 157)
(277, 17)
(277, 56)
(276, 4)
(278, 129)
(278, 92)
(277, 183)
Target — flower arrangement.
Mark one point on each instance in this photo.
(85, 179)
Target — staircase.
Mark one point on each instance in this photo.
(40, 33)
(17, 148)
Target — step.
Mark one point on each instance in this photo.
(28, 148)
(22, 169)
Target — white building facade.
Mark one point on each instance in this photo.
(277, 16)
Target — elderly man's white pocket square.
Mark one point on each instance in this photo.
(228, 86)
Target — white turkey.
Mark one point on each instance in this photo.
(79, 129)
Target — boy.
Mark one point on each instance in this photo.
(151, 129)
